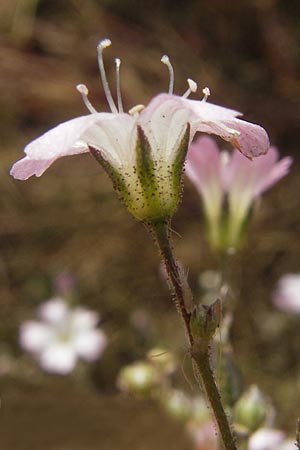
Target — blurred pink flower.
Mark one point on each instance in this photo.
(287, 294)
(266, 439)
(62, 336)
(161, 131)
(205, 436)
(219, 176)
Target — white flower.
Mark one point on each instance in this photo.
(266, 439)
(142, 151)
(62, 336)
(287, 294)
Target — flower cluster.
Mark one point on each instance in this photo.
(142, 151)
(229, 185)
(62, 335)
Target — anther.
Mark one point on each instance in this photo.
(101, 46)
(119, 97)
(83, 90)
(192, 88)
(166, 60)
(206, 92)
(136, 109)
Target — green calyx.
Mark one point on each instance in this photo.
(151, 191)
(160, 181)
(204, 323)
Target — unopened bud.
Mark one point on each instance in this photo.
(204, 323)
(162, 359)
(250, 410)
(138, 379)
(177, 405)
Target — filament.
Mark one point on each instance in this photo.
(166, 60)
(101, 46)
(119, 97)
(83, 90)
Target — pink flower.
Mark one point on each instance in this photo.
(62, 335)
(143, 151)
(287, 294)
(205, 436)
(219, 176)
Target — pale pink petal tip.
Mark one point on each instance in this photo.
(253, 139)
(26, 168)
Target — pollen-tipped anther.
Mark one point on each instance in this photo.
(104, 44)
(136, 109)
(166, 60)
(83, 90)
(192, 88)
(206, 92)
(101, 46)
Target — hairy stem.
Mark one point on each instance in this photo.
(199, 356)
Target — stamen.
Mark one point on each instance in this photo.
(206, 92)
(166, 60)
(192, 88)
(101, 46)
(119, 97)
(136, 109)
(83, 90)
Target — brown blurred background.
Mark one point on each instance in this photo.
(247, 52)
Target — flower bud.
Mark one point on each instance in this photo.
(250, 411)
(138, 378)
(204, 323)
(162, 359)
(177, 405)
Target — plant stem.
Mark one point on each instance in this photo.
(200, 358)
(204, 369)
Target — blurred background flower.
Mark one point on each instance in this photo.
(287, 295)
(229, 184)
(62, 336)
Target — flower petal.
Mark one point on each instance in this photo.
(58, 358)
(164, 122)
(253, 140)
(34, 336)
(287, 294)
(265, 439)
(90, 344)
(203, 165)
(115, 137)
(204, 169)
(54, 311)
(83, 319)
(63, 140)
(258, 175)
(249, 138)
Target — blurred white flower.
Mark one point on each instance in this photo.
(287, 294)
(62, 335)
(266, 439)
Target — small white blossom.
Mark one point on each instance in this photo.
(62, 336)
(287, 294)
